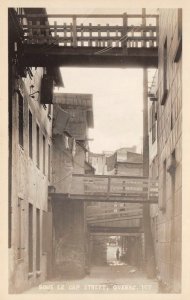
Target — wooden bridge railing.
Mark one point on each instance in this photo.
(113, 186)
(37, 30)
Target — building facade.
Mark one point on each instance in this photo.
(30, 147)
(166, 151)
(73, 115)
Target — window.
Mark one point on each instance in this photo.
(30, 135)
(37, 146)
(153, 122)
(49, 160)
(44, 155)
(178, 52)
(179, 16)
(44, 231)
(165, 83)
(37, 239)
(164, 184)
(21, 119)
(20, 228)
(30, 238)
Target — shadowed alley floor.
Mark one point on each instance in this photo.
(115, 278)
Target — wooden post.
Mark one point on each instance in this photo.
(108, 35)
(74, 31)
(151, 35)
(99, 35)
(149, 245)
(124, 35)
(90, 35)
(65, 33)
(82, 35)
(143, 24)
(157, 30)
(55, 33)
(132, 35)
(117, 36)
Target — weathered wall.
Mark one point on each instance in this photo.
(170, 140)
(70, 232)
(29, 183)
(69, 239)
(129, 169)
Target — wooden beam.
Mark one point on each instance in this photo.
(95, 198)
(58, 56)
(115, 229)
(113, 219)
(85, 16)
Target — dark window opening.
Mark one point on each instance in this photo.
(30, 135)
(30, 239)
(153, 122)
(37, 146)
(37, 239)
(44, 155)
(179, 23)
(19, 253)
(49, 160)
(178, 52)
(21, 120)
(163, 204)
(165, 66)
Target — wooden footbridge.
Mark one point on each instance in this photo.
(108, 188)
(66, 41)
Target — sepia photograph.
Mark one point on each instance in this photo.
(94, 127)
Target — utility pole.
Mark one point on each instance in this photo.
(149, 246)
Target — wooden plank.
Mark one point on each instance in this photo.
(113, 219)
(94, 28)
(91, 38)
(85, 16)
(115, 229)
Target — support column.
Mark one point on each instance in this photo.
(149, 246)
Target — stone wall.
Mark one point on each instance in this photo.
(29, 182)
(169, 152)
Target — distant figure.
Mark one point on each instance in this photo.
(117, 254)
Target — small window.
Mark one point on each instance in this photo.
(49, 161)
(37, 146)
(44, 155)
(30, 135)
(178, 51)
(165, 66)
(20, 228)
(21, 120)
(164, 185)
(30, 238)
(38, 239)
(154, 127)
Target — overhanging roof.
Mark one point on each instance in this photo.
(81, 101)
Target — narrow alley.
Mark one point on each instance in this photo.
(95, 150)
(115, 277)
